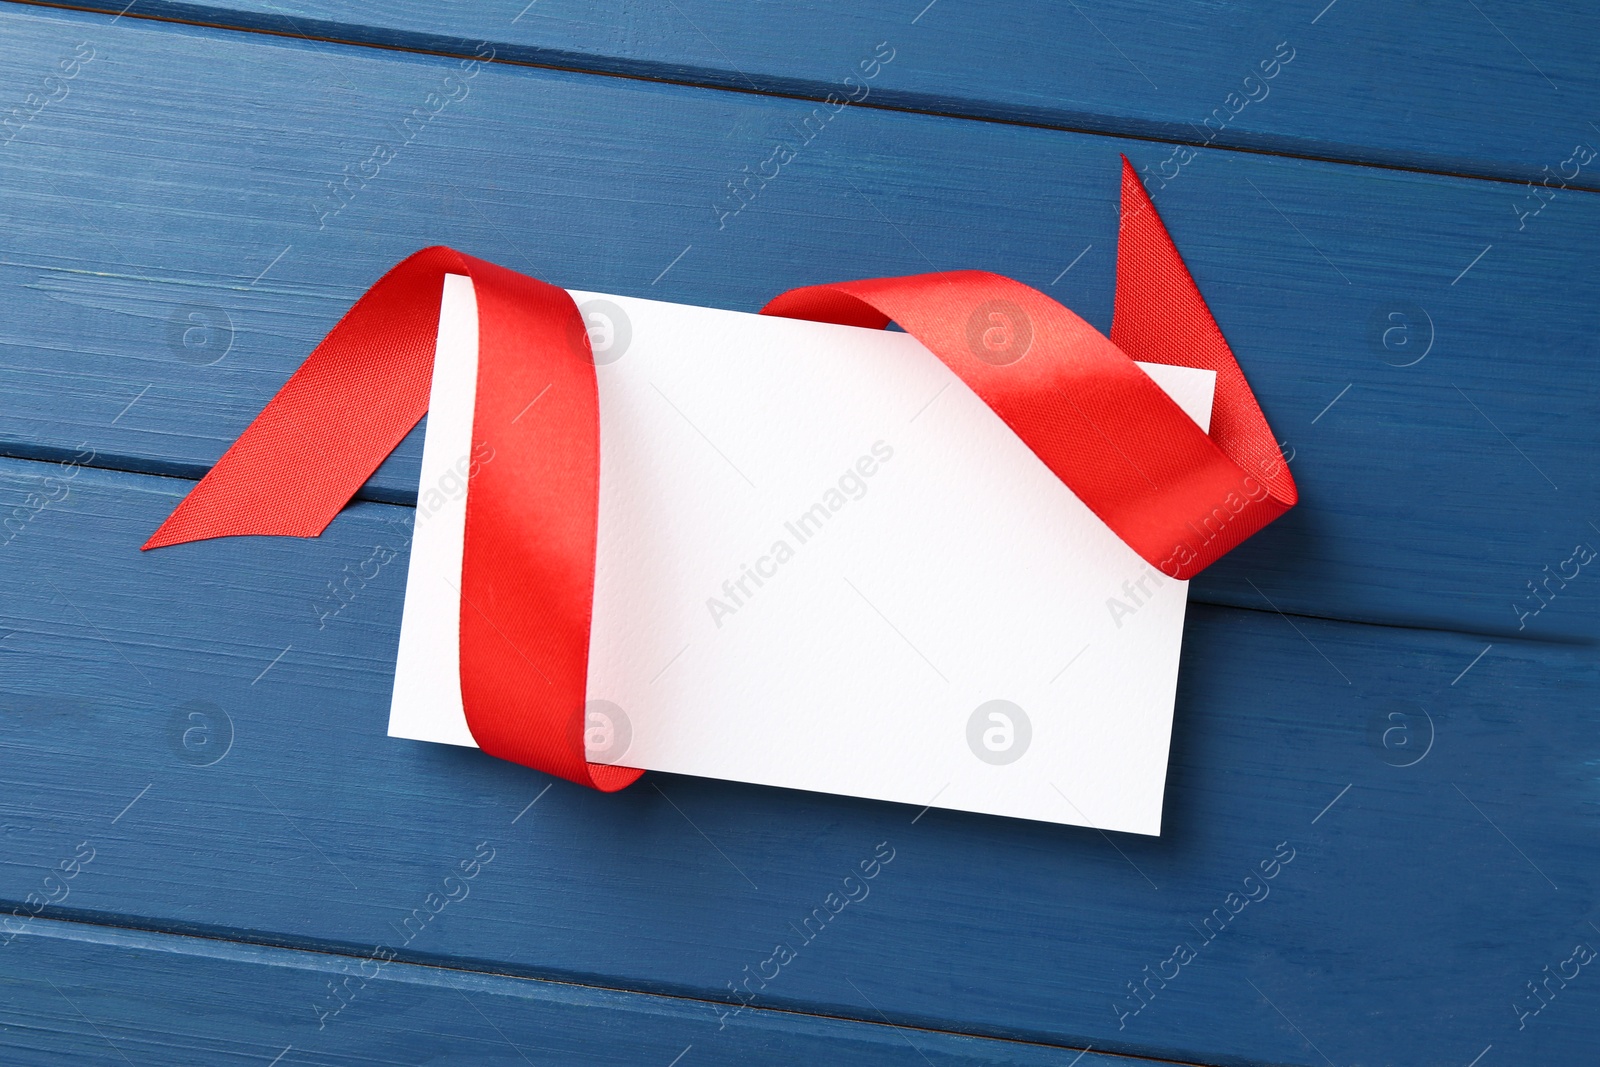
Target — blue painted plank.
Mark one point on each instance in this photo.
(76, 993)
(166, 272)
(184, 713)
(1493, 88)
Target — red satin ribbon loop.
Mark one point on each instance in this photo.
(527, 575)
(1177, 496)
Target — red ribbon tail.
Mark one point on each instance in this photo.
(1160, 317)
(1178, 496)
(335, 420)
(527, 576)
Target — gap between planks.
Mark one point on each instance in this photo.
(314, 956)
(1127, 132)
(189, 474)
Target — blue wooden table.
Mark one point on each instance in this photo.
(1388, 699)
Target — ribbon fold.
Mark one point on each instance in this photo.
(1179, 497)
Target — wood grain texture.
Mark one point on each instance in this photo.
(166, 272)
(76, 993)
(1419, 900)
(1486, 88)
(209, 719)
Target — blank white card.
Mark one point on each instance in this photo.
(825, 564)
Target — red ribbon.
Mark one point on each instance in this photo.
(1179, 497)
